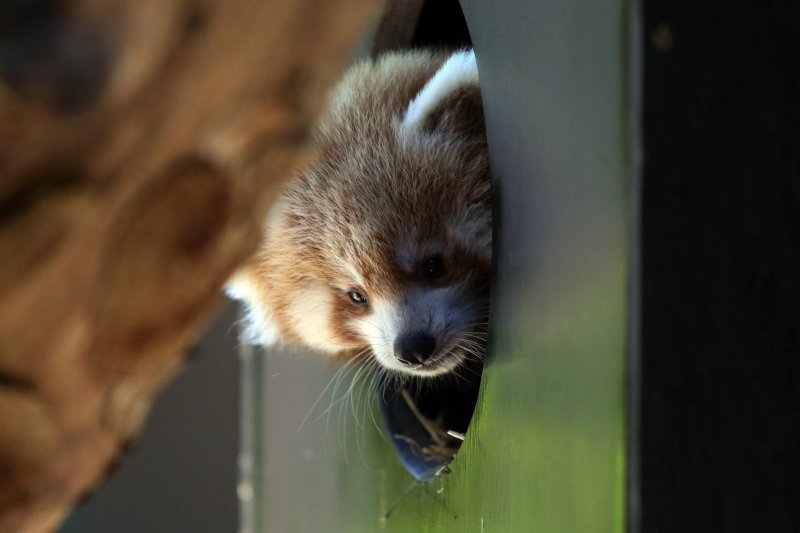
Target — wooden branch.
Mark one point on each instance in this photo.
(141, 143)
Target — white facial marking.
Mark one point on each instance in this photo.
(354, 274)
(378, 329)
(459, 70)
(311, 307)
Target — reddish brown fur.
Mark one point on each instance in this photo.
(369, 192)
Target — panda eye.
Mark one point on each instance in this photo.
(433, 267)
(357, 298)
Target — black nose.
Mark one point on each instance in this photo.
(414, 348)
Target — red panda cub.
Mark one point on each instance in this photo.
(381, 247)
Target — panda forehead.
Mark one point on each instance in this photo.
(354, 274)
(372, 273)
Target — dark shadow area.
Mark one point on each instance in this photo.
(441, 24)
(427, 419)
(720, 349)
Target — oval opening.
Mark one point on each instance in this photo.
(427, 418)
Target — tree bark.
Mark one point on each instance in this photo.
(141, 143)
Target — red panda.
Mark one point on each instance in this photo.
(381, 247)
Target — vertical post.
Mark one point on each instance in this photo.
(249, 488)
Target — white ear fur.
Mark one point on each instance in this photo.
(256, 326)
(459, 70)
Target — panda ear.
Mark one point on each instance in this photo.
(450, 102)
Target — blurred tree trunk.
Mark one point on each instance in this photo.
(141, 143)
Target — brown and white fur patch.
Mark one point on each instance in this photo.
(381, 247)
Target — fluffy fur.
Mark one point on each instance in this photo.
(396, 209)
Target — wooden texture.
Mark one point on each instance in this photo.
(140, 144)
